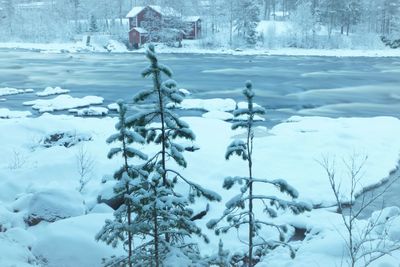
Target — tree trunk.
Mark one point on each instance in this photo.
(128, 211)
(155, 221)
(157, 82)
(250, 164)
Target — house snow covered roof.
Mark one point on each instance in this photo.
(165, 11)
(139, 30)
(191, 18)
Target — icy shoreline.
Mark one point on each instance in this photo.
(189, 49)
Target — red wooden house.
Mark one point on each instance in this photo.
(149, 23)
(193, 29)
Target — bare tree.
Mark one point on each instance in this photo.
(18, 160)
(364, 244)
(84, 165)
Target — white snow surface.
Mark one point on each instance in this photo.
(215, 104)
(5, 113)
(13, 91)
(63, 102)
(113, 107)
(54, 204)
(289, 150)
(52, 91)
(216, 114)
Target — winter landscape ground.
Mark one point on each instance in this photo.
(276, 144)
(41, 147)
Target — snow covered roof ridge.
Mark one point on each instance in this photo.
(139, 30)
(134, 11)
(165, 11)
(191, 18)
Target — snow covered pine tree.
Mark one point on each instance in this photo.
(247, 19)
(165, 218)
(130, 179)
(240, 210)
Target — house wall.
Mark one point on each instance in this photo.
(194, 31)
(149, 19)
(134, 37)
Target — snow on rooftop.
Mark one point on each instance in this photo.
(134, 11)
(191, 18)
(139, 30)
(165, 11)
(34, 5)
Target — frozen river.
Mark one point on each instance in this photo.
(285, 85)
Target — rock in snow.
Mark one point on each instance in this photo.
(215, 104)
(52, 91)
(219, 115)
(66, 139)
(5, 113)
(113, 106)
(63, 102)
(90, 111)
(54, 204)
(13, 91)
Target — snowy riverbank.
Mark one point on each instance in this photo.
(39, 169)
(193, 47)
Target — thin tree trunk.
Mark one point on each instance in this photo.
(231, 25)
(250, 161)
(163, 134)
(155, 221)
(128, 211)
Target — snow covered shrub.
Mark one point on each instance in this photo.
(18, 159)
(365, 243)
(239, 210)
(221, 259)
(66, 139)
(84, 166)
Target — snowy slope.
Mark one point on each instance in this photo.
(290, 151)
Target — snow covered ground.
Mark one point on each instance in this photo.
(193, 47)
(52, 91)
(5, 91)
(63, 102)
(39, 168)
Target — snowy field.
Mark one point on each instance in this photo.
(45, 220)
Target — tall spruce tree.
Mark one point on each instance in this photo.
(93, 27)
(240, 209)
(130, 179)
(247, 19)
(165, 218)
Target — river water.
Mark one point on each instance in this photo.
(284, 85)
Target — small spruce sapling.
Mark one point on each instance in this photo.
(221, 259)
(130, 179)
(165, 216)
(240, 209)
